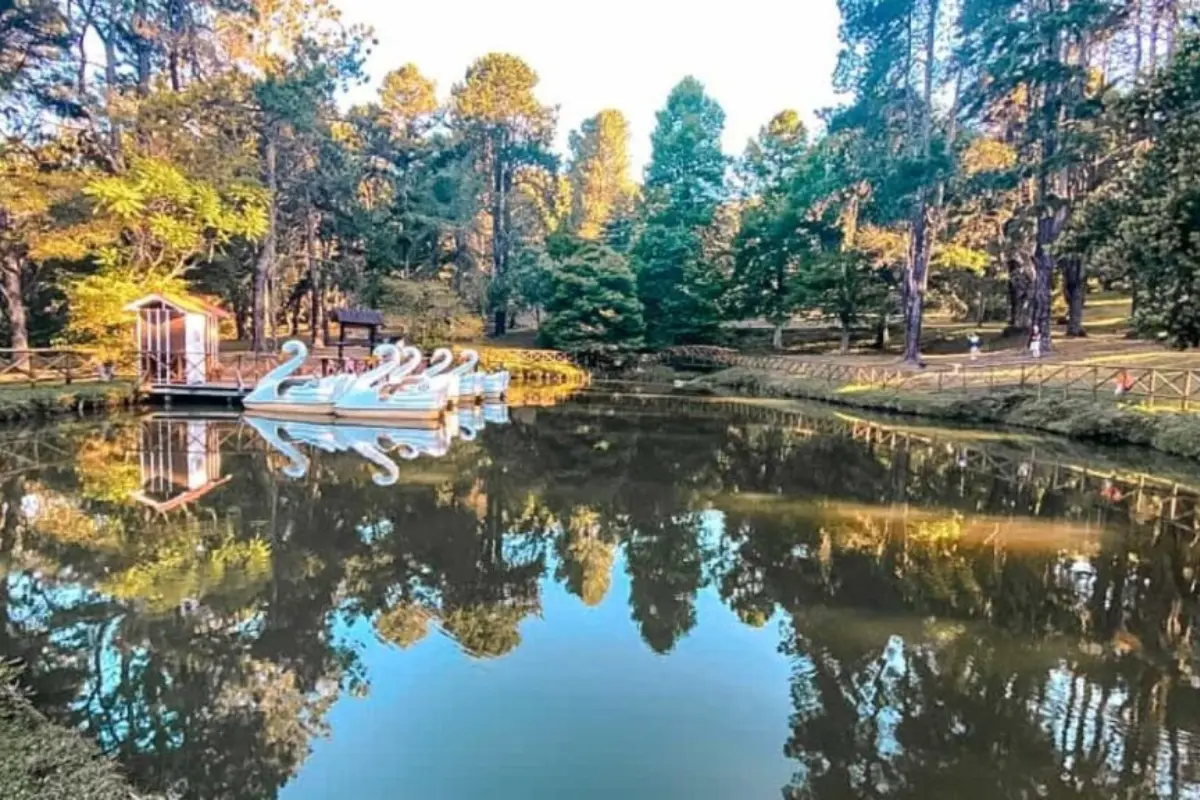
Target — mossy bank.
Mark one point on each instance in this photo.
(1109, 422)
(48, 402)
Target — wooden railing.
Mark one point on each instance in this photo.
(244, 369)
(1168, 388)
(49, 365)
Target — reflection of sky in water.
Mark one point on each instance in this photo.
(582, 708)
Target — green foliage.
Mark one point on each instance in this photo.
(685, 183)
(427, 312)
(1146, 223)
(593, 302)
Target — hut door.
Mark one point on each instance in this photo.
(194, 349)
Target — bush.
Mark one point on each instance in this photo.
(593, 303)
(428, 312)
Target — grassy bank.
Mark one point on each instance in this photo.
(46, 402)
(40, 760)
(1095, 421)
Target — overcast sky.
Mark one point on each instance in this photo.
(756, 57)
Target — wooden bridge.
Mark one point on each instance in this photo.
(1153, 386)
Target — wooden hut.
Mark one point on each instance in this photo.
(356, 318)
(177, 338)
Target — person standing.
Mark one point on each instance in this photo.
(1035, 343)
(973, 340)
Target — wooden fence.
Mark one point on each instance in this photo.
(47, 365)
(1167, 388)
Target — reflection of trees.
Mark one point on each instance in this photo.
(937, 641)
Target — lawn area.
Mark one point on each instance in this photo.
(945, 342)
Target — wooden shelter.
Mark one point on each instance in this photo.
(177, 338)
(356, 318)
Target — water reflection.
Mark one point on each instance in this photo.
(958, 614)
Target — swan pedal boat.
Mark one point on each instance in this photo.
(377, 395)
(278, 391)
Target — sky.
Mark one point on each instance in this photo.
(756, 57)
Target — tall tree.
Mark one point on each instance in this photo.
(893, 66)
(496, 109)
(684, 185)
(599, 172)
(1040, 52)
(771, 243)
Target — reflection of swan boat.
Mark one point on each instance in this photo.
(375, 444)
(495, 413)
(278, 391)
(271, 430)
(473, 419)
(376, 395)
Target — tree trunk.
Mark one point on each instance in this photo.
(845, 343)
(266, 257)
(883, 333)
(915, 284)
(141, 46)
(1020, 294)
(1075, 289)
(110, 90)
(777, 334)
(312, 254)
(922, 229)
(499, 232)
(14, 306)
(1043, 281)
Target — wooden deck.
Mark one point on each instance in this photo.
(217, 390)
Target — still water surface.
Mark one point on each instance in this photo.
(635, 598)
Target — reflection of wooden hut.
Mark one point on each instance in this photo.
(177, 338)
(180, 462)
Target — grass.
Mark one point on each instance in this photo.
(40, 760)
(1101, 421)
(45, 402)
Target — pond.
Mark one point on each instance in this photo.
(634, 596)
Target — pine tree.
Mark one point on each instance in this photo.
(599, 173)
(1147, 222)
(685, 183)
(593, 302)
(495, 108)
(767, 249)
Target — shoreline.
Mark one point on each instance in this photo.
(20, 403)
(1173, 432)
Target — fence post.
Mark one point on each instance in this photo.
(941, 373)
(1187, 389)
(1095, 383)
(1022, 375)
(1153, 385)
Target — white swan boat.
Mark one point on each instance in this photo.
(476, 383)
(438, 364)
(279, 392)
(374, 395)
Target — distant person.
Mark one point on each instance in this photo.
(1035, 343)
(1123, 383)
(974, 340)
